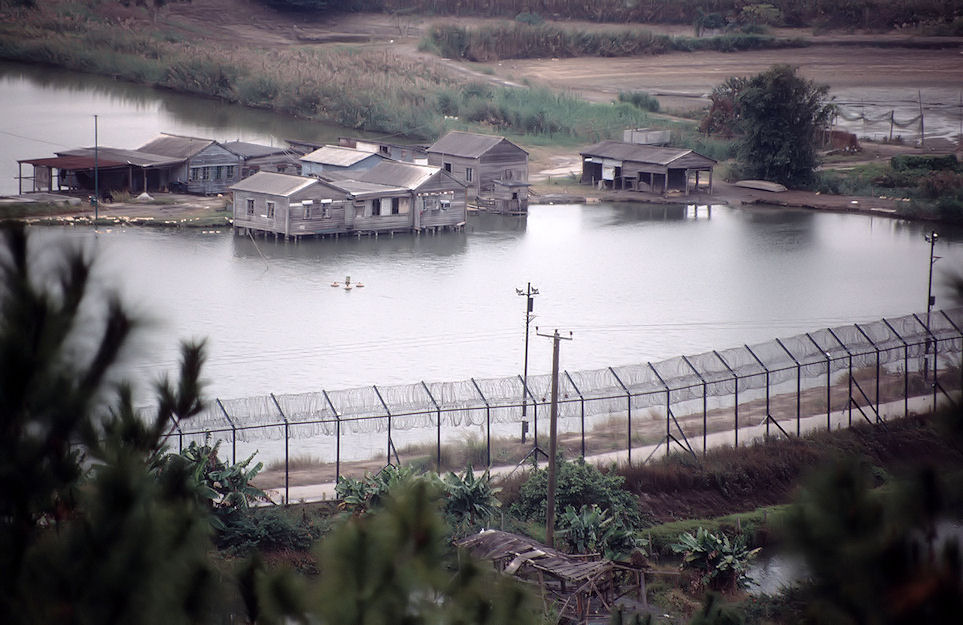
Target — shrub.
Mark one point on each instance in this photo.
(265, 529)
(469, 498)
(904, 162)
(579, 484)
(720, 563)
(530, 18)
(593, 530)
(641, 99)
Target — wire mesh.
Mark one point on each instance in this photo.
(829, 372)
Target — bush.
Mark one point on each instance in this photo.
(905, 162)
(640, 99)
(265, 529)
(579, 484)
(532, 19)
(720, 563)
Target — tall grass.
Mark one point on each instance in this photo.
(821, 13)
(520, 41)
(361, 88)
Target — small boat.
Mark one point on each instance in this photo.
(335, 284)
(359, 285)
(347, 287)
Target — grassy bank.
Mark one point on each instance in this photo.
(514, 40)
(357, 87)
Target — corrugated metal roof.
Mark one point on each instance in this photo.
(398, 174)
(337, 156)
(466, 144)
(361, 190)
(120, 155)
(252, 150)
(621, 151)
(274, 184)
(179, 146)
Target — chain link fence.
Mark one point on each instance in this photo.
(824, 379)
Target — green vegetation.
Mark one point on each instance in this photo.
(356, 87)
(874, 14)
(777, 116)
(932, 185)
(641, 99)
(514, 40)
(719, 563)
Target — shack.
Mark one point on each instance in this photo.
(438, 200)
(494, 170)
(256, 157)
(207, 167)
(629, 166)
(336, 159)
(390, 198)
(115, 169)
(288, 206)
(581, 587)
(408, 153)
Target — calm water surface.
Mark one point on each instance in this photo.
(634, 283)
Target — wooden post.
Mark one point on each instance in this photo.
(552, 441)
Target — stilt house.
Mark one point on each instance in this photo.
(630, 166)
(494, 169)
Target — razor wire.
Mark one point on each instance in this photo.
(804, 361)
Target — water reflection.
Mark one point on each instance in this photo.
(330, 249)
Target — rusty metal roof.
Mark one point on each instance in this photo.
(467, 144)
(106, 157)
(177, 146)
(638, 153)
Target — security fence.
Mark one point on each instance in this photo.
(823, 379)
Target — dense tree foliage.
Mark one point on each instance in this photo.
(780, 115)
(99, 525)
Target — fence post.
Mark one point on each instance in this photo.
(798, 388)
(875, 347)
(735, 383)
(391, 444)
(233, 431)
(960, 332)
(287, 459)
(705, 395)
(337, 438)
(582, 406)
(905, 367)
(438, 408)
(628, 404)
(488, 427)
(829, 382)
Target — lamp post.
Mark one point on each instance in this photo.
(96, 174)
(930, 238)
(529, 294)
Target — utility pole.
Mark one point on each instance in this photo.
(552, 439)
(930, 238)
(96, 174)
(529, 294)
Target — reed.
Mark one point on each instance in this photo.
(514, 40)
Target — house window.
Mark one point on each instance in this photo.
(230, 172)
(307, 208)
(195, 173)
(218, 171)
(508, 174)
(250, 207)
(447, 167)
(270, 210)
(324, 212)
(384, 150)
(395, 205)
(375, 207)
(205, 173)
(444, 204)
(468, 174)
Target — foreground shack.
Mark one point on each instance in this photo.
(583, 588)
(623, 166)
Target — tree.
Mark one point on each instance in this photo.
(88, 533)
(780, 116)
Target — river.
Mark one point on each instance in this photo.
(632, 282)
